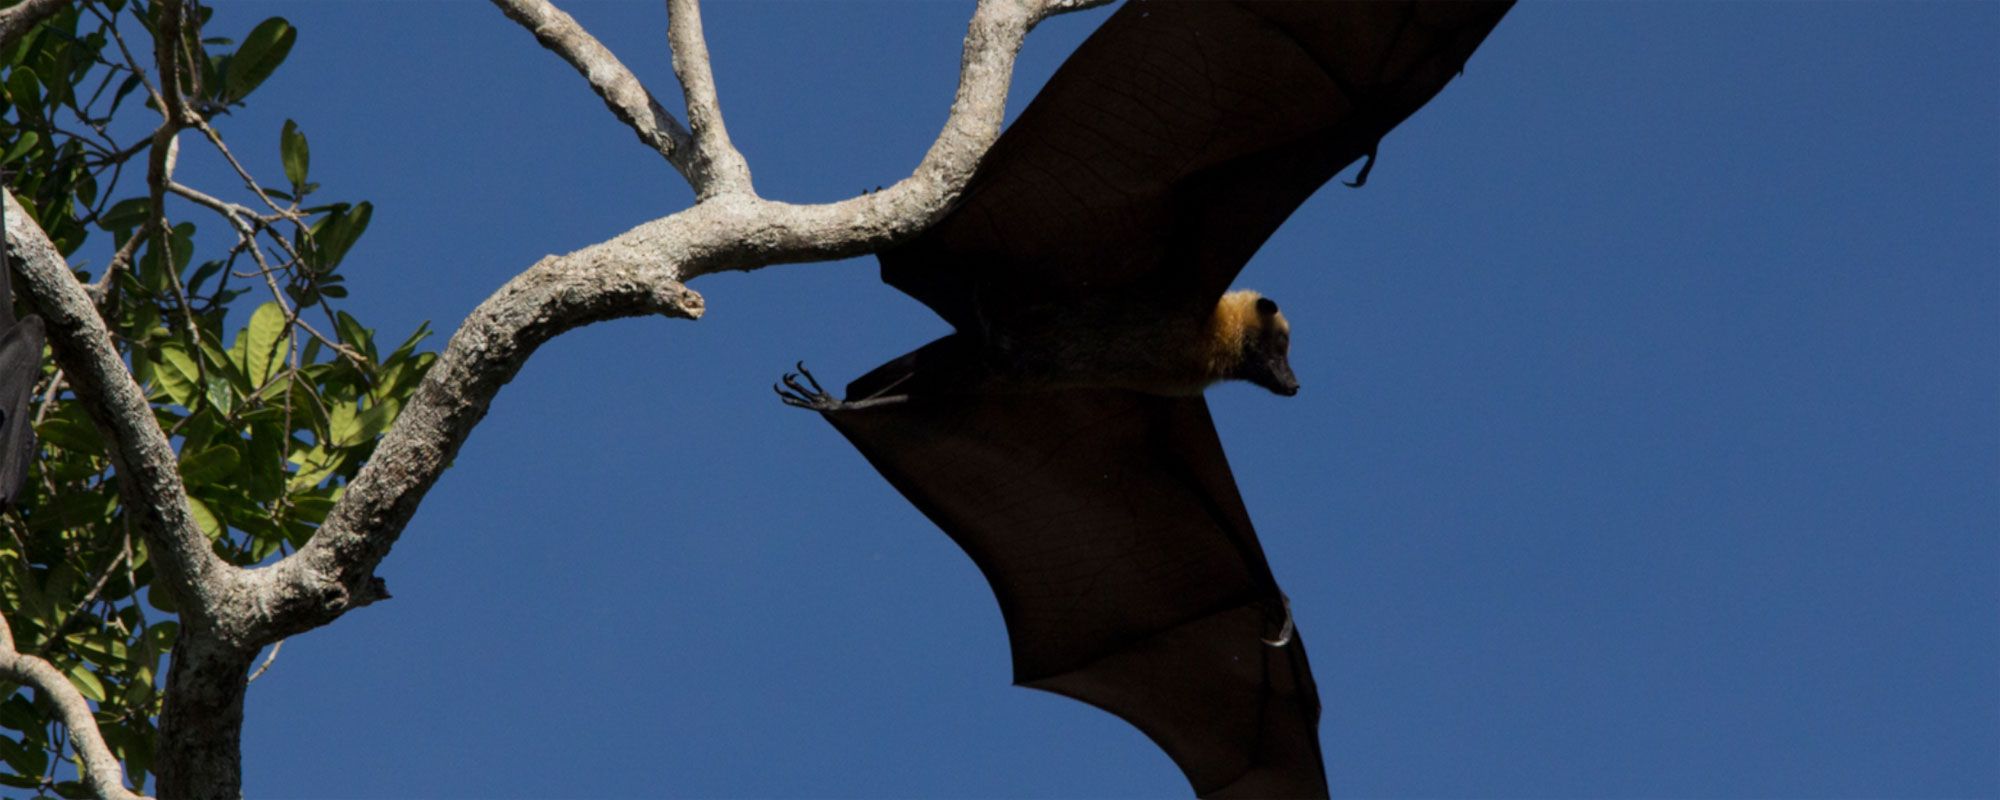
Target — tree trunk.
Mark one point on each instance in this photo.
(200, 752)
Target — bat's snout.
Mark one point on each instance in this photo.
(1276, 375)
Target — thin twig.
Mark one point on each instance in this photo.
(215, 139)
(268, 658)
(100, 290)
(246, 234)
(621, 90)
(103, 578)
(48, 397)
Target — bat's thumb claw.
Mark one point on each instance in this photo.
(1285, 630)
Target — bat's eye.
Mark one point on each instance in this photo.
(1266, 306)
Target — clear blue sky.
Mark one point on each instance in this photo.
(1649, 446)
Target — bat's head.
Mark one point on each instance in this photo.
(1266, 342)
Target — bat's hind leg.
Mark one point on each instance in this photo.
(810, 395)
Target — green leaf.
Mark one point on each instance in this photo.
(100, 648)
(178, 374)
(211, 525)
(198, 429)
(126, 214)
(162, 635)
(183, 246)
(86, 190)
(15, 755)
(123, 90)
(263, 473)
(19, 714)
(262, 51)
(262, 547)
(221, 395)
(86, 682)
(221, 368)
(342, 425)
(249, 518)
(207, 270)
(335, 233)
(70, 510)
(297, 156)
(22, 91)
(209, 466)
(21, 147)
(20, 781)
(376, 420)
(71, 435)
(267, 343)
(312, 508)
(409, 345)
(163, 599)
(315, 466)
(400, 378)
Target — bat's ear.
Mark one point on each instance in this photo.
(1266, 306)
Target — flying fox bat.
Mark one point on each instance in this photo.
(20, 367)
(1059, 434)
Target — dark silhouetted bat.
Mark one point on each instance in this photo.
(1059, 434)
(20, 367)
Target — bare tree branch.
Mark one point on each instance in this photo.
(782, 232)
(106, 775)
(636, 273)
(333, 573)
(149, 481)
(715, 157)
(17, 20)
(622, 92)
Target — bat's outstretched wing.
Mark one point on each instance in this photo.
(20, 366)
(1110, 528)
(1174, 142)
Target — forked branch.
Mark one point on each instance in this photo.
(636, 273)
(721, 167)
(149, 473)
(608, 77)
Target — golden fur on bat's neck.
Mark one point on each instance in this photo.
(1140, 349)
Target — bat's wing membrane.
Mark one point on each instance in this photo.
(1112, 533)
(1174, 142)
(1155, 162)
(20, 366)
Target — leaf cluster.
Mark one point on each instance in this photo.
(271, 414)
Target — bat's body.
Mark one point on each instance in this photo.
(1059, 435)
(20, 367)
(1115, 346)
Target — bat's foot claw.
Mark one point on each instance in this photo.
(801, 390)
(1361, 178)
(807, 394)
